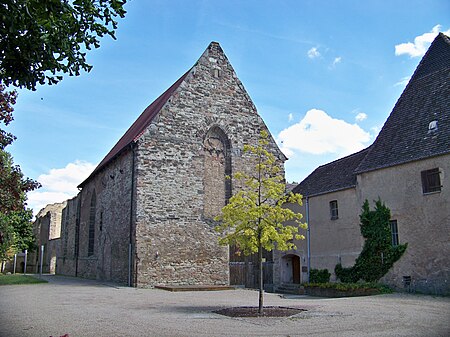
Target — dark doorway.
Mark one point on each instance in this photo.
(296, 269)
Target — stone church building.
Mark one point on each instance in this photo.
(144, 217)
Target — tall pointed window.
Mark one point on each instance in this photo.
(92, 225)
(217, 188)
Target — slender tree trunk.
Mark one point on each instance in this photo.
(261, 278)
(260, 248)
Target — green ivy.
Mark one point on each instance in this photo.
(378, 255)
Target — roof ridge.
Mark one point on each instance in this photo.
(139, 125)
(346, 157)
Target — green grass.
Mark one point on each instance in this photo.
(19, 279)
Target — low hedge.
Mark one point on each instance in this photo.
(345, 289)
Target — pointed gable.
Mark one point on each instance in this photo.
(419, 125)
(138, 128)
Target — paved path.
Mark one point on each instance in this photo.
(88, 308)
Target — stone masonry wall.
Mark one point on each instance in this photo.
(111, 218)
(175, 238)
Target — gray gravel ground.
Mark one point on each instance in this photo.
(88, 308)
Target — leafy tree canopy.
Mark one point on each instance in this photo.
(255, 217)
(15, 219)
(41, 40)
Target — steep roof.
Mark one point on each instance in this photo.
(405, 136)
(335, 176)
(138, 127)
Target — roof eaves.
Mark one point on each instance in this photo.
(327, 191)
(392, 164)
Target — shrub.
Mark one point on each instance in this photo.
(382, 289)
(319, 276)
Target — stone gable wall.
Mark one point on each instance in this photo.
(175, 239)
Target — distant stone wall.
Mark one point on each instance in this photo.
(181, 176)
(47, 230)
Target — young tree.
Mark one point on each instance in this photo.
(254, 219)
(40, 40)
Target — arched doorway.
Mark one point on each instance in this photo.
(290, 271)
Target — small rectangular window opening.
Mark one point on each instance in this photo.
(216, 73)
(394, 232)
(431, 181)
(334, 210)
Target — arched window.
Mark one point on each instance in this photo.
(217, 189)
(92, 225)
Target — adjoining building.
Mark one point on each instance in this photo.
(408, 167)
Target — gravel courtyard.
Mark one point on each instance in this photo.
(89, 308)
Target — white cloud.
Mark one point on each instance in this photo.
(337, 60)
(360, 117)
(376, 130)
(403, 81)
(313, 53)
(291, 117)
(318, 133)
(420, 45)
(59, 184)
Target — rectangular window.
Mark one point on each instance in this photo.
(334, 210)
(394, 232)
(431, 181)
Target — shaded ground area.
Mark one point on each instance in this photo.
(195, 288)
(88, 308)
(254, 312)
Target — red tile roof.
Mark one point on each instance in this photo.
(138, 127)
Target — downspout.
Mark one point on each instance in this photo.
(308, 238)
(130, 244)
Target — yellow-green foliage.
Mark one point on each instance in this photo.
(255, 216)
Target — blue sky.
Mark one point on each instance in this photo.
(324, 75)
